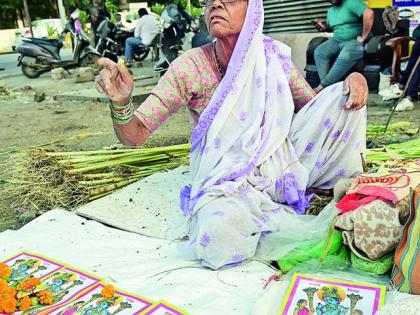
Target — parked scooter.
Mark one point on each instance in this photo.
(174, 28)
(111, 43)
(39, 55)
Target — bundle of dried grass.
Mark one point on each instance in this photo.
(43, 180)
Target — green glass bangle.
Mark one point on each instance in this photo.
(123, 116)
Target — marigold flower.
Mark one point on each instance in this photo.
(108, 291)
(45, 297)
(29, 284)
(3, 284)
(7, 292)
(5, 271)
(8, 305)
(24, 303)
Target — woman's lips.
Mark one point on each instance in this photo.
(217, 18)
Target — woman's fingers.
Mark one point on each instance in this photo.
(99, 85)
(356, 85)
(114, 80)
(346, 86)
(106, 63)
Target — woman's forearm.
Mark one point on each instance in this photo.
(302, 92)
(134, 133)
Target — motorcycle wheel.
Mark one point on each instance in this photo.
(30, 72)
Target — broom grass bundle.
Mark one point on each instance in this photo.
(45, 180)
(402, 128)
(405, 150)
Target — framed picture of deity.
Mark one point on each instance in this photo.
(313, 295)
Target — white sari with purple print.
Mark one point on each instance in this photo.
(252, 158)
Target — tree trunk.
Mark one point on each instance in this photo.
(94, 7)
(54, 5)
(19, 20)
(28, 17)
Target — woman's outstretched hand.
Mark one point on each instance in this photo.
(355, 85)
(114, 81)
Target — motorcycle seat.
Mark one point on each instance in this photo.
(46, 41)
(144, 46)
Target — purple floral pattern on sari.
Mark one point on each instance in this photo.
(205, 240)
(294, 195)
(309, 147)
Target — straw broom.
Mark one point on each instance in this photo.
(45, 180)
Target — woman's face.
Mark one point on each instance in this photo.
(225, 19)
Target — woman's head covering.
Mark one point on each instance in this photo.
(251, 31)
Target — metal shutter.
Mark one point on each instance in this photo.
(291, 16)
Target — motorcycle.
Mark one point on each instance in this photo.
(174, 28)
(39, 55)
(111, 43)
(176, 25)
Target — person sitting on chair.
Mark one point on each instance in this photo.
(335, 57)
(146, 30)
(396, 90)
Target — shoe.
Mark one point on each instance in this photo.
(391, 93)
(404, 105)
(129, 63)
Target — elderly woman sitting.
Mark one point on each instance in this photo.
(261, 139)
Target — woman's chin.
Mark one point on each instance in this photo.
(218, 31)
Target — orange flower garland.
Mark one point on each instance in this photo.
(5, 271)
(108, 291)
(9, 303)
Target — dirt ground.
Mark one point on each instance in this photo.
(73, 126)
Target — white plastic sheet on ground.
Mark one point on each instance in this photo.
(148, 207)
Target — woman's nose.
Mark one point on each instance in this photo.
(217, 4)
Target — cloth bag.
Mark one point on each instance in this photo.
(406, 272)
(371, 231)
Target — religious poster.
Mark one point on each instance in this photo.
(312, 295)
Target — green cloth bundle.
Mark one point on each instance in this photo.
(331, 246)
(378, 267)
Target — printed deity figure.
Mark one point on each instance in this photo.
(332, 296)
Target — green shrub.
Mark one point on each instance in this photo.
(158, 8)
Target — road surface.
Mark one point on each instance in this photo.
(9, 62)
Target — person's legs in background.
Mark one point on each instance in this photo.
(395, 90)
(351, 51)
(130, 43)
(325, 55)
